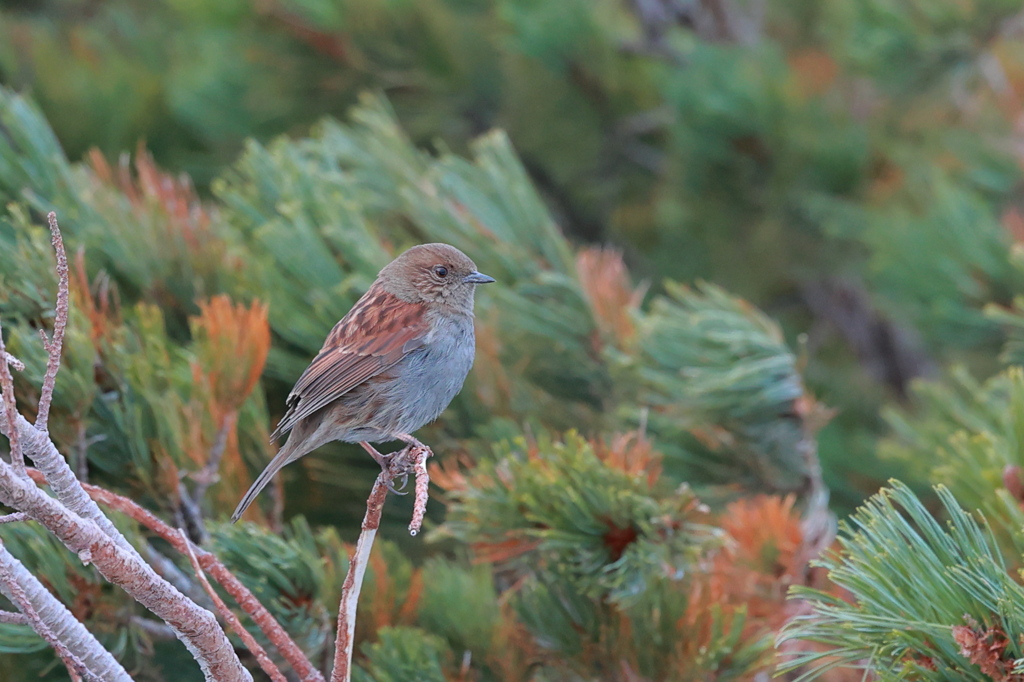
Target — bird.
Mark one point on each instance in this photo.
(390, 366)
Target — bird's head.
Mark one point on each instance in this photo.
(435, 274)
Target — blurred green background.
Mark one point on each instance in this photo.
(852, 168)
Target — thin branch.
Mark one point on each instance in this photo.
(10, 410)
(187, 515)
(250, 642)
(208, 475)
(402, 463)
(175, 576)
(54, 345)
(196, 627)
(13, 588)
(63, 623)
(225, 578)
(14, 518)
(14, 362)
(57, 473)
(154, 628)
(12, 618)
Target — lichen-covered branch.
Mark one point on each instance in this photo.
(196, 627)
(225, 578)
(56, 343)
(232, 620)
(9, 410)
(55, 623)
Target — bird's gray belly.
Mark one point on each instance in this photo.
(416, 390)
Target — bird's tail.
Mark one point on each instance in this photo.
(284, 456)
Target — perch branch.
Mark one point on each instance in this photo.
(225, 578)
(232, 620)
(401, 463)
(56, 343)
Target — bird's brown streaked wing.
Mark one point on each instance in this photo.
(378, 332)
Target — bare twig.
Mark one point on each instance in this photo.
(408, 460)
(212, 565)
(189, 512)
(196, 627)
(208, 475)
(57, 473)
(61, 622)
(12, 618)
(13, 588)
(187, 515)
(14, 362)
(232, 620)
(154, 628)
(55, 344)
(33, 440)
(14, 518)
(10, 410)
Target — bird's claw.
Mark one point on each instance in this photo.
(389, 476)
(405, 481)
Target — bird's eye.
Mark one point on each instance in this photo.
(441, 271)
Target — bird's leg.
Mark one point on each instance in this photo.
(409, 440)
(383, 461)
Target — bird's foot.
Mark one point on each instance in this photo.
(385, 464)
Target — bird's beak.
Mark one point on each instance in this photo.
(477, 278)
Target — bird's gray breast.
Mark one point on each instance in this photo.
(434, 373)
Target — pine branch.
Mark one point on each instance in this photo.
(912, 581)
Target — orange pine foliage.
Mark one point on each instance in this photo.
(231, 343)
(987, 648)
(762, 560)
(149, 186)
(610, 294)
(815, 70)
(632, 453)
(98, 301)
(491, 380)
(386, 605)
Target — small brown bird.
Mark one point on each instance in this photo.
(391, 365)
